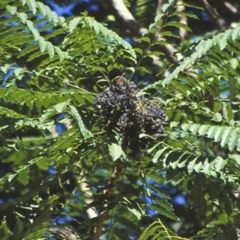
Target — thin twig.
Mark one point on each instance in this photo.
(84, 91)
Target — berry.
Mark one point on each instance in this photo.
(121, 109)
(68, 219)
(60, 220)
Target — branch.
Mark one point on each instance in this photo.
(182, 19)
(109, 191)
(231, 8)
(213, 14)
(159, 6)
(125, 16)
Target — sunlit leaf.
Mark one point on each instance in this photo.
(115, 151)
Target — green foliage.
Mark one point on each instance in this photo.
(58, 66)
(157, 230)
(218, 43)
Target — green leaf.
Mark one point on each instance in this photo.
(127, 223)
(18, 227)
(85, 132)
(219, 163)
(218, 134)
(115, 151)
(235, 157)
(60, 53)
(23, 176)
(203, 129)
(226, 136)
(191, 164)
(158, 154)
(194, 128)
(42, 44)
(50, 49)
(138, 50)
(154, 147)
(154, 53)
(74, 23)
(43, 164)
(22, 16)
(145, 39)
(11, 9)
(173, 124)
(33, 30)
(32, 6)
(178, 25)
(191, 6)
(136, 213)
(181, 13)
(169, 34)
(61, 107)
(165, 212)
(217, 117)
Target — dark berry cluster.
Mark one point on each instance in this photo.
(121, 109)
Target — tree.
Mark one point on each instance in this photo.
(103, 175)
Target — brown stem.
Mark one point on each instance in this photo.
(99, 226)
(117, 172)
